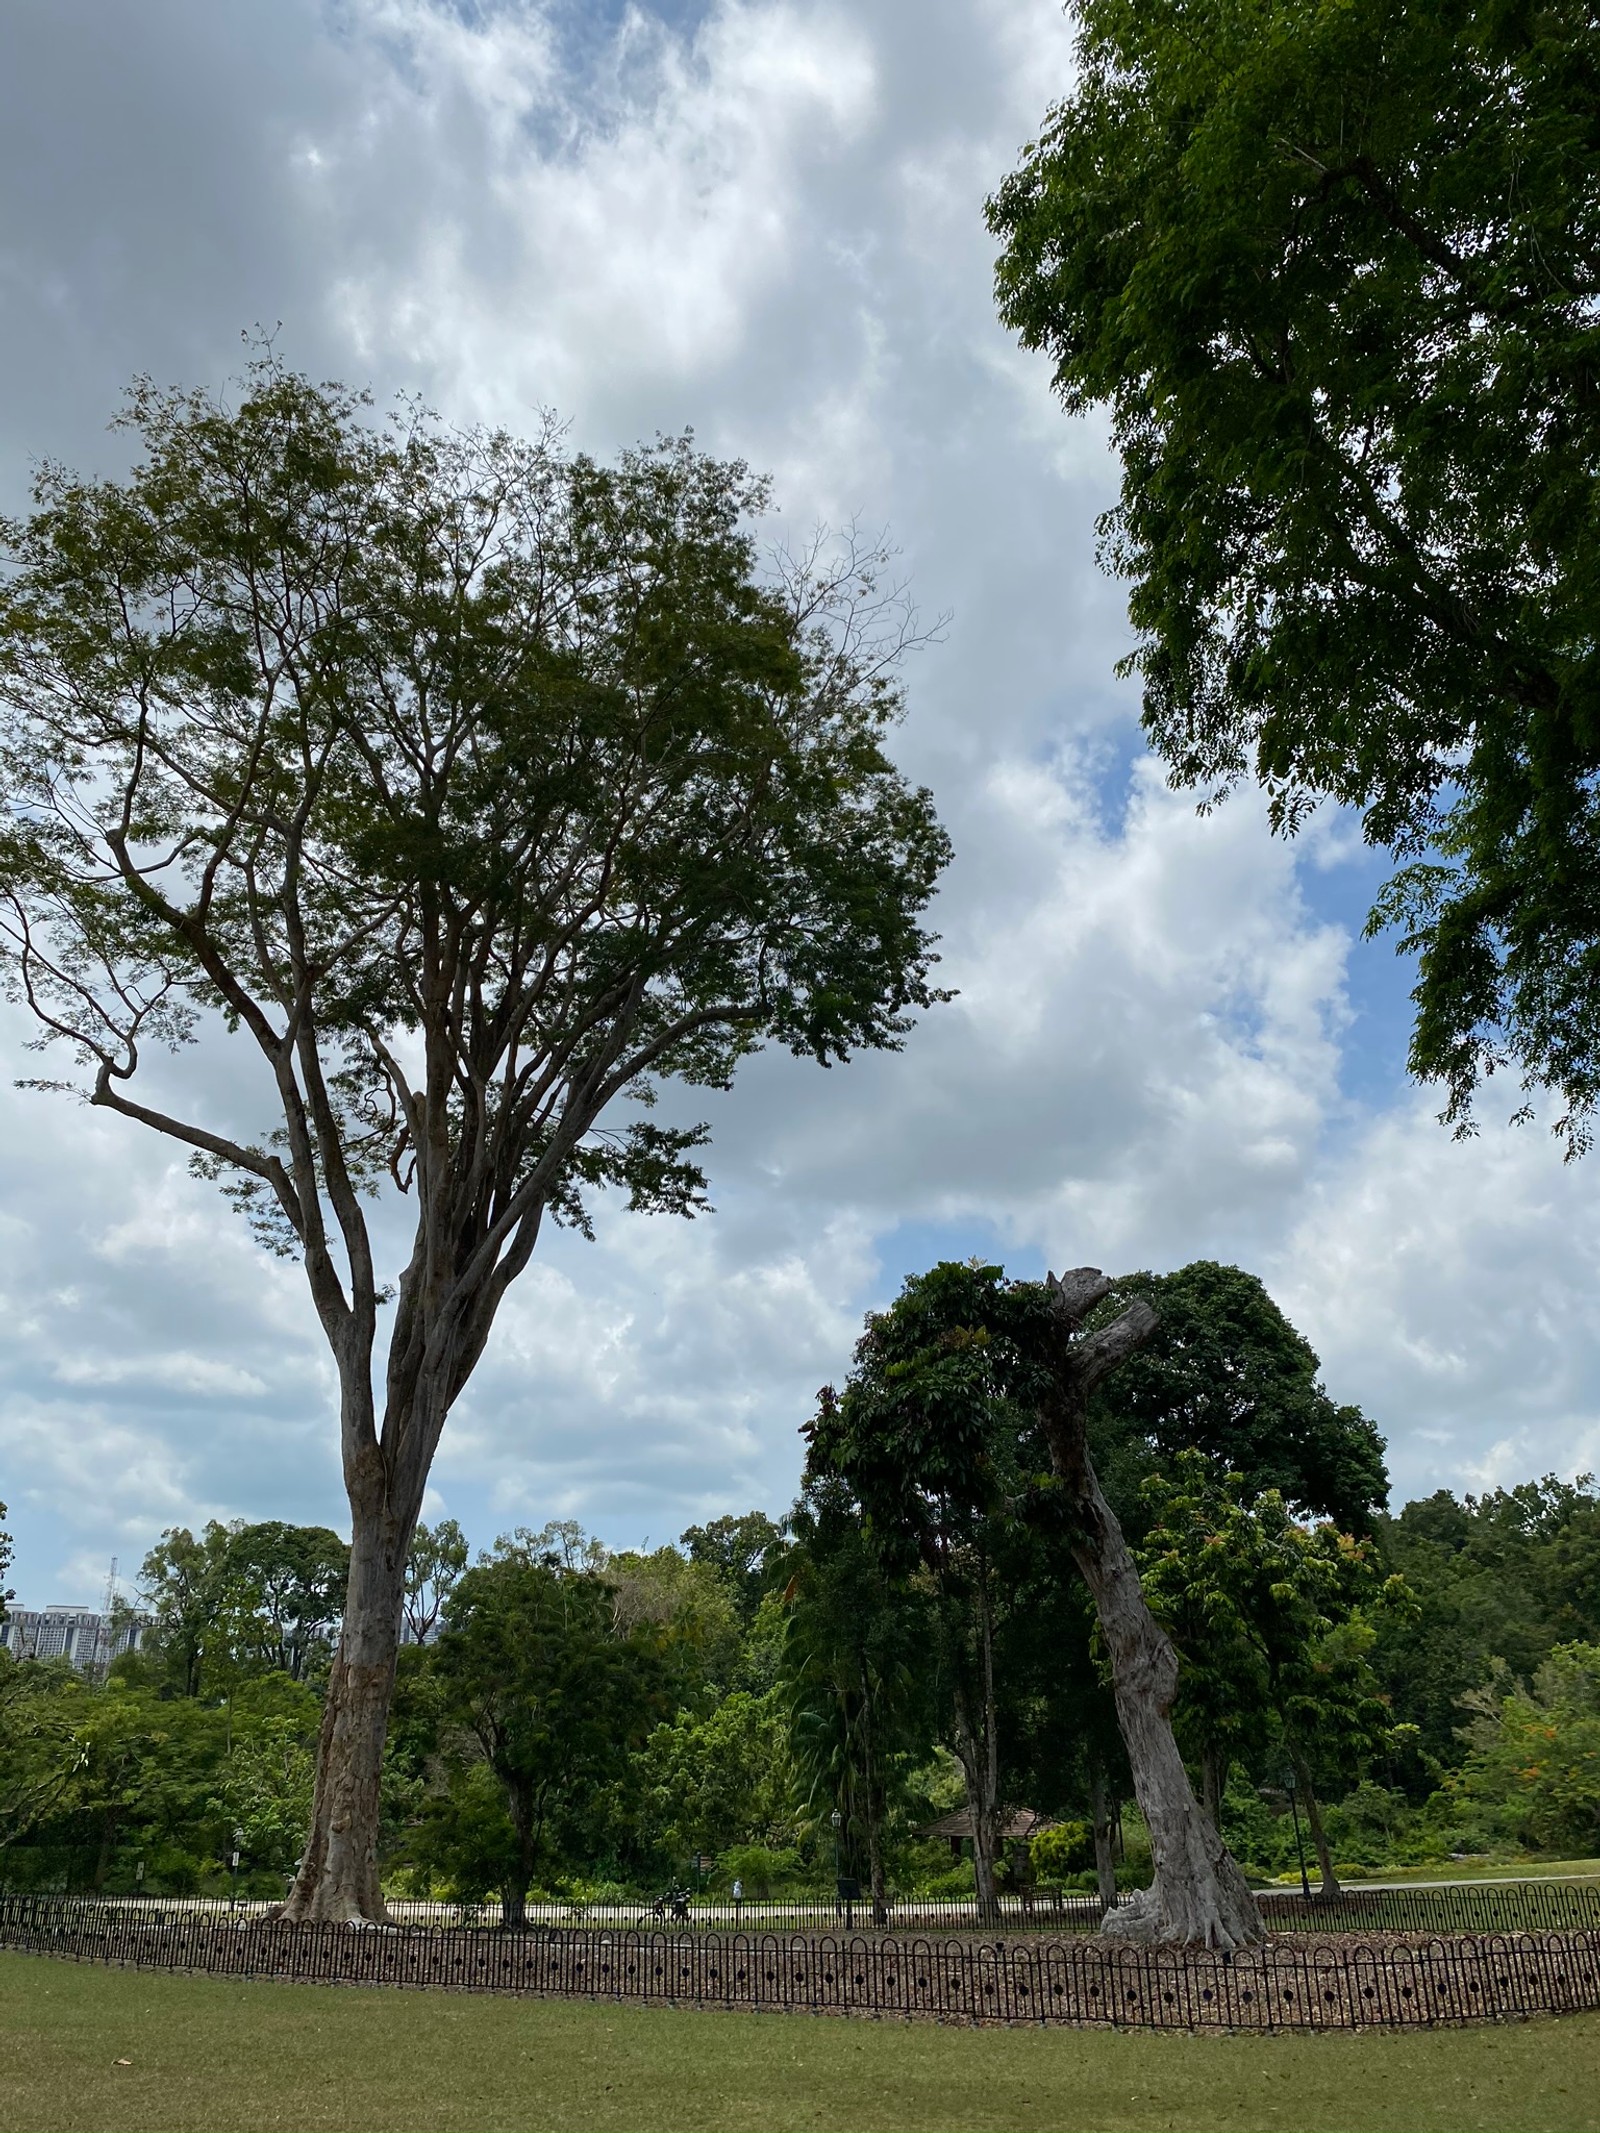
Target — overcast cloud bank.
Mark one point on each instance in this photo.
(763, 220)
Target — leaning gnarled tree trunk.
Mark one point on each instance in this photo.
(1198, 1895)
(481, 790)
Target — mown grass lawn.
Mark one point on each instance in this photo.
(209, 2054)
(1486, 1870)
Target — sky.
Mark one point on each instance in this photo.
(762, 219)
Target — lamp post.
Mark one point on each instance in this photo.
(233, 1866)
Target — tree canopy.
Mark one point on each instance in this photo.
(1226, 1375)
(1332, 266)
(482, 790)
(553, 1695)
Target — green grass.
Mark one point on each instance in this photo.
(1478, 1870)
(213, 2054)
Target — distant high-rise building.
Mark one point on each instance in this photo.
(82, 1635)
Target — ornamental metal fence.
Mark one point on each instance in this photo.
(1303, 1984)
(1458, 1907)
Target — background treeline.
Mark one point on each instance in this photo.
(793, 1702)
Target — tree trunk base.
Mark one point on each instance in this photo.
(327, 1906)
(1215, 1910)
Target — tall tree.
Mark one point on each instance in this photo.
(737, 1545)
(290, 1582)
(434, 1564)
(184, 1582)
(912, 1431)
(533, 1667)
(927, 1440)
(481, 790)
(1333, 268)
(1274, 1621)
(855, 1677)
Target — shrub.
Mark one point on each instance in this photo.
(1066, 1849)
(758, 1868)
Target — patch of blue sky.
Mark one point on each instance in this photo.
(912, 1247)
(1339, 876)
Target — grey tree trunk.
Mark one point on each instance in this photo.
(338, 1879)
(1213, 1782)
(972, 1752)
(1105, 1869)
(513, 1897)
(978, 1750)
(873, 1793)
(1198, 1896)
(1319, 1836)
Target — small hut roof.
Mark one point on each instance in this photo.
(1021, 1822)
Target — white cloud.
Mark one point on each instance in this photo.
(1450, 1286)
(764, 217)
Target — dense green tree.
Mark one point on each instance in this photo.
(962, 1368)
(1332, 265)
(289, 1586)
(553, 1696)
(6, 1592)
(928, 1442)
(183, 1583)
(711, 1780)
(1061, 1751)
(1535, 1752)
(692, 1611)
(434, 1562)
(482, 791)
(1500, 1580)
(860, 1681)
(738, 1546)
(1225, 1374)
(38, 1756)
(262, 1792)
(95, 1778)
(1273, 1620)
(241, 1600)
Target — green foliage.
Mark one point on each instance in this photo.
(1501, 1577)
(95, 1778)
(711, 1781)
(434, 1562)
(1332, 265)
(1067, 1848)
(738, 1547)
(518, 755)
(940, 1384)
(1274, 1622)
(689, 1608)
(759, 1870)
(552, 1697)
(1535, 1753)
(243, 1600)
(1225, 1374)
(1457, 1697)
(268, 1770)
(853, 1680)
